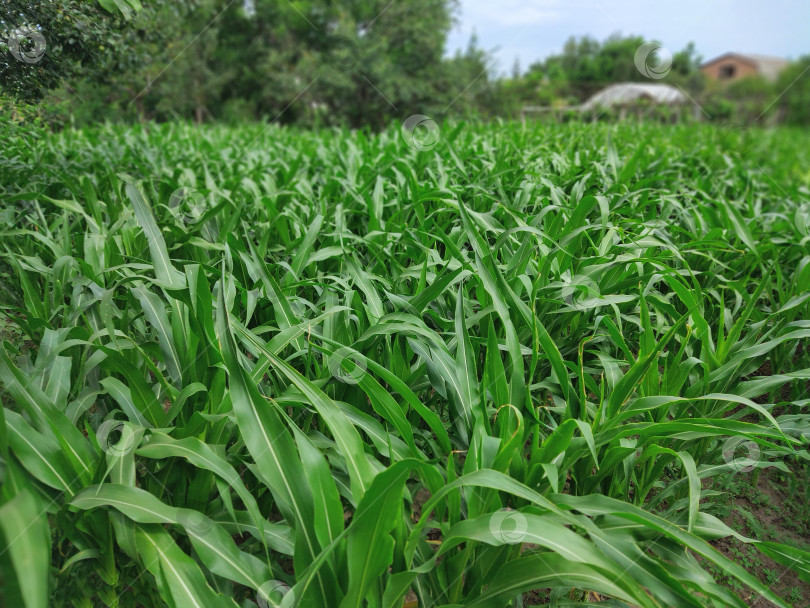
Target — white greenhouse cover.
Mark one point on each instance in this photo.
(630, 92)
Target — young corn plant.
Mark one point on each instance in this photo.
(266, 367)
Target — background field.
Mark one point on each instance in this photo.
(481, 366)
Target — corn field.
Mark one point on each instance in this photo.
(258, 366)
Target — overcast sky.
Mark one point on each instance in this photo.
(532, 29)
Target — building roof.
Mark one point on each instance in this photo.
(768, 66)
(630, 92)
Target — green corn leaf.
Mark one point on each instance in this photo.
(26, 537)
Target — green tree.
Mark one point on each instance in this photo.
(473, 89)
(794, 82)
(310, 62)
(370, 62)
(586, 65)
(43, 42)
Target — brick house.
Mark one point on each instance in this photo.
(733, 66)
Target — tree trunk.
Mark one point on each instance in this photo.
(199, 108)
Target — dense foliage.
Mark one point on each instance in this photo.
(586, 65)
(317, 62)
(313, 62)
(42, 43)
(260, 366)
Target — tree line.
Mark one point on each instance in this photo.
(312, 62)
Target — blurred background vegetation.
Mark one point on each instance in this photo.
(319, 62)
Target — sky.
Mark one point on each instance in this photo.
(533, 29)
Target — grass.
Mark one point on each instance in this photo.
(261, 366)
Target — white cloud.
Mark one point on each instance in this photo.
(509, 13)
